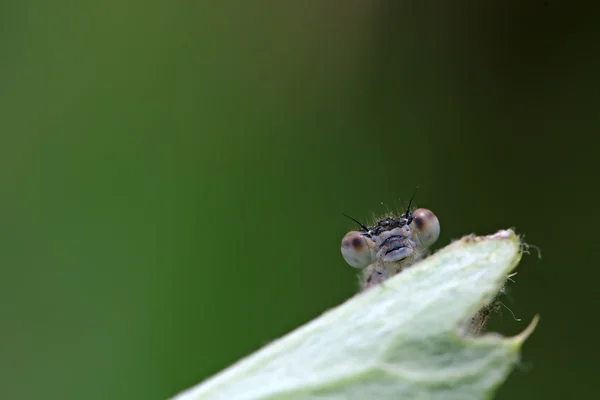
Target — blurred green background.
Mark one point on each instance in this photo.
(173, 176)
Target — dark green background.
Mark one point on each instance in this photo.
(173, 175)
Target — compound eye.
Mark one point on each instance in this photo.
(425, 227)
(358, 250)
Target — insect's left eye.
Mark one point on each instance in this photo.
(358, 250)
(425, 227)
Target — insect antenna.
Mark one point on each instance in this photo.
(406, 214)
(353, 219)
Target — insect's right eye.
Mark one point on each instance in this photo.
(358, 250)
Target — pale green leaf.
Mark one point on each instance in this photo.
(404, 339)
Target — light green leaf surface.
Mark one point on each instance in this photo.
(404, 339)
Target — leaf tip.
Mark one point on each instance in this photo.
(520, 338)
(503, 234)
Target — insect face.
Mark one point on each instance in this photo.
(390, 245)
